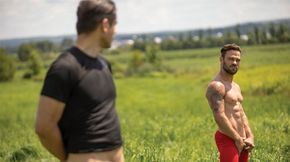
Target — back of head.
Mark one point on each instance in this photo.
(90, 14)
(228, 47)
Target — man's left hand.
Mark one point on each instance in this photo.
(249, 144)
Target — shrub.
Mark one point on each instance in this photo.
(7, 67)
(35, 63)
(24, 52)
(151, 54)
(144, 64)
(137, 60)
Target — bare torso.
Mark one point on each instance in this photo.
(233, 106)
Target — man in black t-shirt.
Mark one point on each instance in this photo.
(76, 118)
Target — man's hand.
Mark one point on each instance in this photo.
(249, 144)
(240, 144)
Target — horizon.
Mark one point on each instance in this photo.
(27, 20)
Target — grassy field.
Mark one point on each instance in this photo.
(167, 118)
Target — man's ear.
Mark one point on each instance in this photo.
(221, 59)
(105, 25)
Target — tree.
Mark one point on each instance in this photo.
(273, 32)
(257, 35)
(137, 60)
(7, 66)
(230, 37)
(24, 52)
(151, 54)
(264, 38)
(135, 63)
(283, 34)
(237, 31)
(44, 46)
(66, 43)
(35, 63)
(169, 44)
(139, 45)
(200, 34)
(251, 38)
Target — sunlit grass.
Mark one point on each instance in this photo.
(167, 118)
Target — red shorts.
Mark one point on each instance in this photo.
(228, 150)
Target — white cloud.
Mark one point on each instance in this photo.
(37, 18)
(155, 15)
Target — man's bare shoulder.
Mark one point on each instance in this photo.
(215, 87)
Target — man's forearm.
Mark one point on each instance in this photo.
(52, 141)
(248, 130)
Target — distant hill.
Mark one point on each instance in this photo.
(244, 29)
(12, 43)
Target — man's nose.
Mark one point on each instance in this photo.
(235, 62)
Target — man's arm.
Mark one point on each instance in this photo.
(249, 135)
(215, 95)
(46, 126)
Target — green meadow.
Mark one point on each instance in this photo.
(165, 116)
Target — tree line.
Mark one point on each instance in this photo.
(270, 34)
(32, 54)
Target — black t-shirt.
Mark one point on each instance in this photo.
(89, 122)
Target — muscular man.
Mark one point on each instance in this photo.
(234, 138)
(76, 118)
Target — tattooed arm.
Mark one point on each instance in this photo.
(215, 95)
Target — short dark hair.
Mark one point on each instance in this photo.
(228, 47)
(90, 14)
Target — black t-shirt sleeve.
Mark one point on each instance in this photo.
(58, 83)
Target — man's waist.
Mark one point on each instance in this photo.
(90, 147)
(107, 155)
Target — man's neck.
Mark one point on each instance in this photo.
(88, 45)
(226, 76)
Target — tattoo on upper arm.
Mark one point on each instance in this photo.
(215, 98)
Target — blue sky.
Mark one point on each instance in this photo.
(30, 18)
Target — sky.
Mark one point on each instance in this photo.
(32, 18)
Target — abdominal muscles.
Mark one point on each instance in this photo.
(234, 114)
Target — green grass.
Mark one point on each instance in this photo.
(167, 118)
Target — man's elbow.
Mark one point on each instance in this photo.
(42, 129)
(39, 130)
(219, 117)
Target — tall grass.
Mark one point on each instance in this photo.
(167, 118)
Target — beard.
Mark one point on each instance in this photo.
(232, 69)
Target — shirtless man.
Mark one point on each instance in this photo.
(234, 138)
(76, 118)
